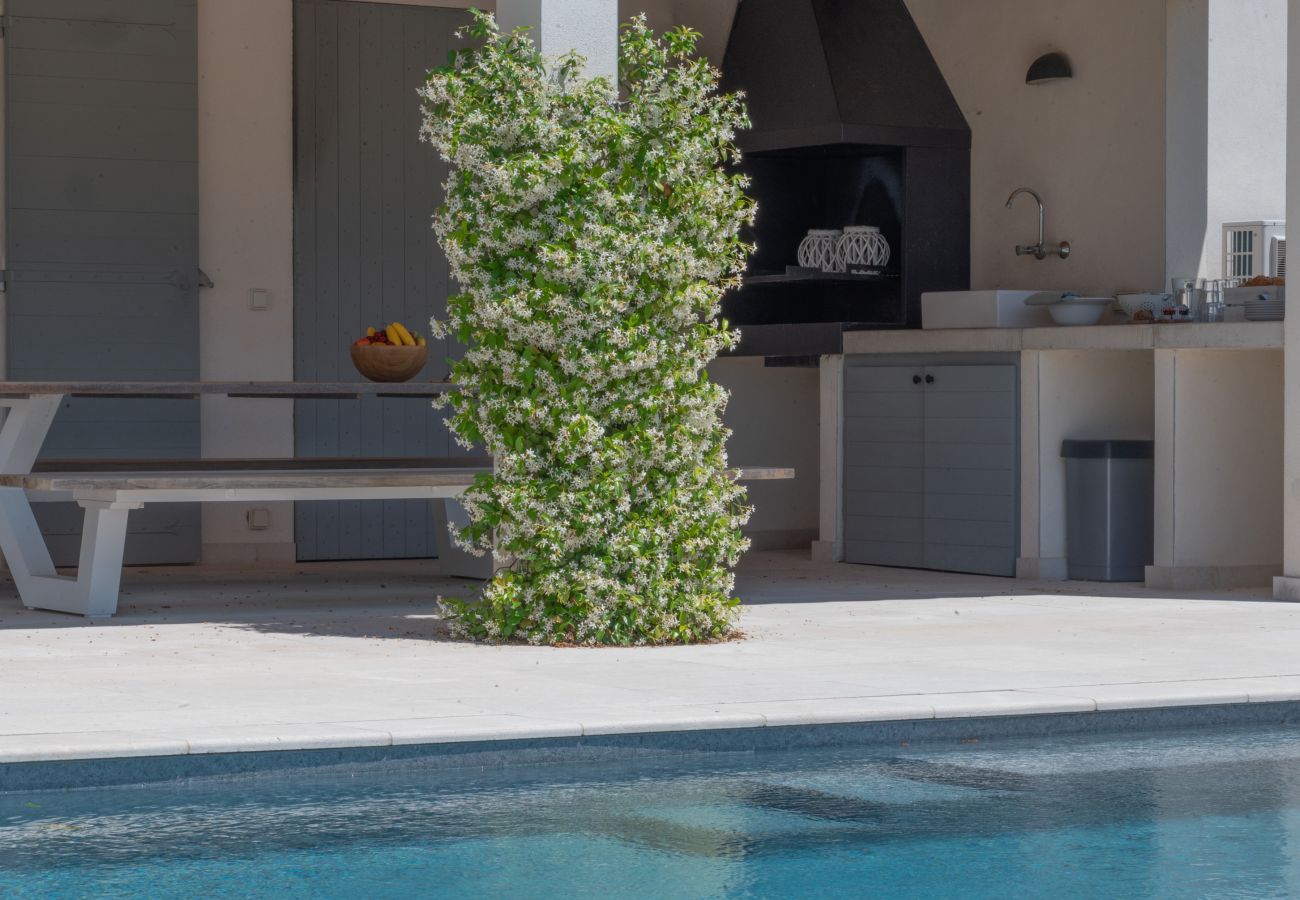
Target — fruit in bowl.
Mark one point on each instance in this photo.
(390, 354)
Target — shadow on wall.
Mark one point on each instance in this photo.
(711, 18)
(1187, 117)
(774, 418)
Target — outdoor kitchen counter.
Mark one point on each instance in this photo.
(1222, 336)
(1210, 396)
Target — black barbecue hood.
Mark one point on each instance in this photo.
(819, 72)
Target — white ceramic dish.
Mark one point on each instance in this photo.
(1132, 304)
(1079, 310)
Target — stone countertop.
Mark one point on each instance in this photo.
(1222, 336)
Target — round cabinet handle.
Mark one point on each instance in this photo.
(929, 379)
(916, 379)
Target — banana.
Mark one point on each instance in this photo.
(394, 336)
(405, 335)
(421, 342)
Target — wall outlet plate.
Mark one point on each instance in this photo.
(259, 299)
(259, 519)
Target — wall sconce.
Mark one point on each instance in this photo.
(1049, 67)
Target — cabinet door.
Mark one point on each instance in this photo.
(884, 505)
(970, 469)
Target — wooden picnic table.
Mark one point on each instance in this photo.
(107, 490)
(30, 410)
(180, 390)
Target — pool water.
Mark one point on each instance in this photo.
(1205, 815)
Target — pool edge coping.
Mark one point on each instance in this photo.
(146, 768)
(489, 727)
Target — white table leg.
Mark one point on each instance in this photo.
(26, 424)
(93, 590)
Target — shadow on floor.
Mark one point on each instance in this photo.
(371, 599)
(398, 599)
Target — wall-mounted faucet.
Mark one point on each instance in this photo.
(1039, 250)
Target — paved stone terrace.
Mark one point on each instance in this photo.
(353, 655)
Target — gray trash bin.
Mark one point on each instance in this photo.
(1109, 509)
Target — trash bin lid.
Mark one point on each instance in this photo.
(1107, 449)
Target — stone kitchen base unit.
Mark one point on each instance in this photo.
(1209, 396)
(1037, 568)
(1207, 578)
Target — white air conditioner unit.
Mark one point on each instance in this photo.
(1254, 248)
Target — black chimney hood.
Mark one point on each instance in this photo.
(853, 125)
(819, 72)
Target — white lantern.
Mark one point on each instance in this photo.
(862, 248)
(818, 250)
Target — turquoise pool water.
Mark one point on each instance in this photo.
(1199, 815)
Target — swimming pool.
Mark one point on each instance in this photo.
(1191, 814)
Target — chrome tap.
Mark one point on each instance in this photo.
(1041, 249)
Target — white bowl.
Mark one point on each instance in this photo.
(1079, 310)
(1153, 303)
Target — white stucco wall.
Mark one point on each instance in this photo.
(712, 18)
(1225, 125)
(246, 238)
(773, 415)
(1288, 586)
(1093, 146)
(1118, 151)
(1219, 449)
(246, 242)
(1069, 394)
(589, 27)
(1186, 128)
(1247, 111)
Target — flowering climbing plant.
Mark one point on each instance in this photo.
(593, 229)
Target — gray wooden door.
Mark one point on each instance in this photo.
(102, 235)
(970, 469)
(884, 459)
(364, 251)
(930, 467)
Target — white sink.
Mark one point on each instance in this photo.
(981, 309)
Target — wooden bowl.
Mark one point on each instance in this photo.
(381, 362)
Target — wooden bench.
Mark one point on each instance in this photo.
(109, 489)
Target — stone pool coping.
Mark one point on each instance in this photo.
(258, 738)
(470, 750)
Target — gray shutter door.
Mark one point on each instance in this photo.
(364, 251)
(884, 483)
(970, 469)
(102, 239)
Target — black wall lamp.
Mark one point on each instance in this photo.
(1049, 67)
